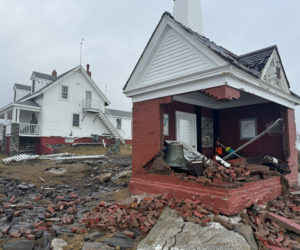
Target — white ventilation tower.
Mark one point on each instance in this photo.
(188, 12)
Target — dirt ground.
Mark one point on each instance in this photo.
(35, 171)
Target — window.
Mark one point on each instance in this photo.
(75, 120)
(166, 124)
(64, 92)
(119, 123)
(248, 128)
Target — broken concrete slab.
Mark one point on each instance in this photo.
(197, 237)
(19, 245)
(171, 232)
(164, 232)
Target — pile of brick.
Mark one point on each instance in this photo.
(216, 175)
(277, 224)
(144, 214)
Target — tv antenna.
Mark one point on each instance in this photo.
(81, 49)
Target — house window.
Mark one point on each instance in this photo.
(248, 128)
(166, 124)
(278, 72)
(75, 120)
(64, 92)
(119, 123)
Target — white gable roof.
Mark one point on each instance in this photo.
(178, 60)
(66, 75)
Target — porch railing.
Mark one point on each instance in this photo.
(30, 129)
(91, 104)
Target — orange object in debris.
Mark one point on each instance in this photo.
(219, 149)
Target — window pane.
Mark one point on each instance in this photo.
(64, 92)
(75, 120)
(119, 123)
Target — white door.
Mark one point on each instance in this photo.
(186, 128)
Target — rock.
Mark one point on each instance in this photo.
(163, 233)
(171, 232)
(123, 174)
(23, 187)
(120, 240)
(96, 246)
(104, 177)
(19, 245)
(197, 237)
(247, 233)
(58, 244)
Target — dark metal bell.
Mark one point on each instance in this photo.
(174, 156)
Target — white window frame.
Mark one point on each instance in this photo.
(252, 124)
(117, 124)
(166, 124)
(78, 120)
(62, 92)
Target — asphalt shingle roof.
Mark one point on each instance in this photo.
(22, 86)
(44, 76)
(118, 113)
(252, 63)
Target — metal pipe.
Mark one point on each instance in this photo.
(254, 139)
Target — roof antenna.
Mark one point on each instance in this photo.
(81, 49)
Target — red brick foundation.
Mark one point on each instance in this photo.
(228, 202)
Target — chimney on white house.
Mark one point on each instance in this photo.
(188, 12)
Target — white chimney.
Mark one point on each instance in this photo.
(188, 12)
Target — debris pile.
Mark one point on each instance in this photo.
(144, 214)
(277, 225)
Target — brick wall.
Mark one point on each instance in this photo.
(223, 92)
(291, 141)
(147, 137)
(229, 129)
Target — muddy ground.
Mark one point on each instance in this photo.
(85, 178)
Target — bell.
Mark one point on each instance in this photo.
(174, 156)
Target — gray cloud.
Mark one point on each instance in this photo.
(45, 35)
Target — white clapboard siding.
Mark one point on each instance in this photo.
(174, 58)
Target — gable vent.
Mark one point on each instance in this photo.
(188, 12)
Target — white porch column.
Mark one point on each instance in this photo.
(13, 118)
(18, 115)
(5, 118)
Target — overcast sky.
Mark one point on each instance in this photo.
(44, 35)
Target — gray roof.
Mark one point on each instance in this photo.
(252, 63)
(257, 60)
(44, 76)
(28, 103)
(22, 86)
(118, 113)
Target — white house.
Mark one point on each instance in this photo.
(122, 121)
(56, 109)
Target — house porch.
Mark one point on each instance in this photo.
(218, 115)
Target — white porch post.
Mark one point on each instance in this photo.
(13, 118)
(18, 115)
(5, 118)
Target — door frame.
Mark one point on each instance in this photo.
(188, 116)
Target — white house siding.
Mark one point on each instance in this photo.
(40, 83)
(125, 125)
(21, 93)
(174, 57)
(58, 113)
